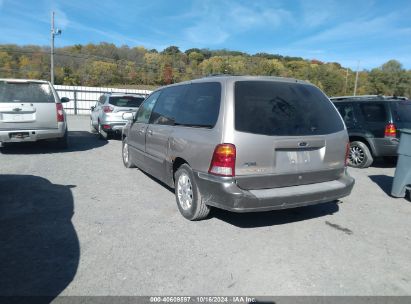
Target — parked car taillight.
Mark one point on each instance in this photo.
(390, 130)
(347, 153)
(223, 161)
(60, 113)
(108, 109)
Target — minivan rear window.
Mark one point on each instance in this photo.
(126, 101)
(25, 92)
(401, 111)
(282, 108)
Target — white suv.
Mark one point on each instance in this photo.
(30, 110)
(107, 114)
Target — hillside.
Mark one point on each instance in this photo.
(105, 64)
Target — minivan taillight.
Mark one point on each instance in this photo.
(390, 130)
(347, 153)
(59, 111)
(108, 109)
(223, 161)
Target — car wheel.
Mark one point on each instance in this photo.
(126, 155)
(392, 160)
(360, 156)
(102, 134)
(92, 128)
(188, 197)
(62, 142)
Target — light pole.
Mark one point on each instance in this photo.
(54, 32)
(356, 79)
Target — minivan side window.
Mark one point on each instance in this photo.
(144, 112)
(164, 112)
(373, 112)
(201, 105)
(284, 109)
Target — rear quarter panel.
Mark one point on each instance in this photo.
(196, 145)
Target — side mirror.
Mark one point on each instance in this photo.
(128, 116)
(64, 99)
(92, 108)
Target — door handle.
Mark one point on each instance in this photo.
(150, 132)
(141, 131)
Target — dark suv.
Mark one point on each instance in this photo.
(373, 122)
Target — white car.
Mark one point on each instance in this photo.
(107, 115)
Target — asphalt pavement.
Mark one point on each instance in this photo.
(77, 222)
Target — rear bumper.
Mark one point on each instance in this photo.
(114, 126)
(33, 134)
(225, 194)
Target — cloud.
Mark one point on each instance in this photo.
(352, 31)
(316, 13)
(214, 24)
(61, 20)
(114, 37)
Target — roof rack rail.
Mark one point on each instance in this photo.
(367, 97)
(356, 97)
(219, 75)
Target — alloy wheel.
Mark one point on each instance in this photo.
(185, 191)
(357, 155)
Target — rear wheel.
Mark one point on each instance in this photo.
(360, 156)
(390, 159)
(189, 201)
(103, 134)
(62, 142)
(126, 155)
(92, 128)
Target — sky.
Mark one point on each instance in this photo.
(364, 32)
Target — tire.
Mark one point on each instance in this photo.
(408, 195)
(188, 198)
(92, 128)
(62, 143)
(126, 155)
(102, 134)
(360, 156)
(390, 159)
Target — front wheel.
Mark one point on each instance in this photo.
(126, 155)
(360, 156)
(189, 201)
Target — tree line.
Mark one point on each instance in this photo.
(105, 64)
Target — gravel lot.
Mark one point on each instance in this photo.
(77, 222)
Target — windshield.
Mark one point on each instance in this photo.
(280, 108)
(401, 111)
(25, 92)
(126, 101)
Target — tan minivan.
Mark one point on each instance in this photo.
(241, 143)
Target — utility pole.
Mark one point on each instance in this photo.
(346, 83)
(356, 78)
(53, 33)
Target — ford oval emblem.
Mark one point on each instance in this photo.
(302, 144)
